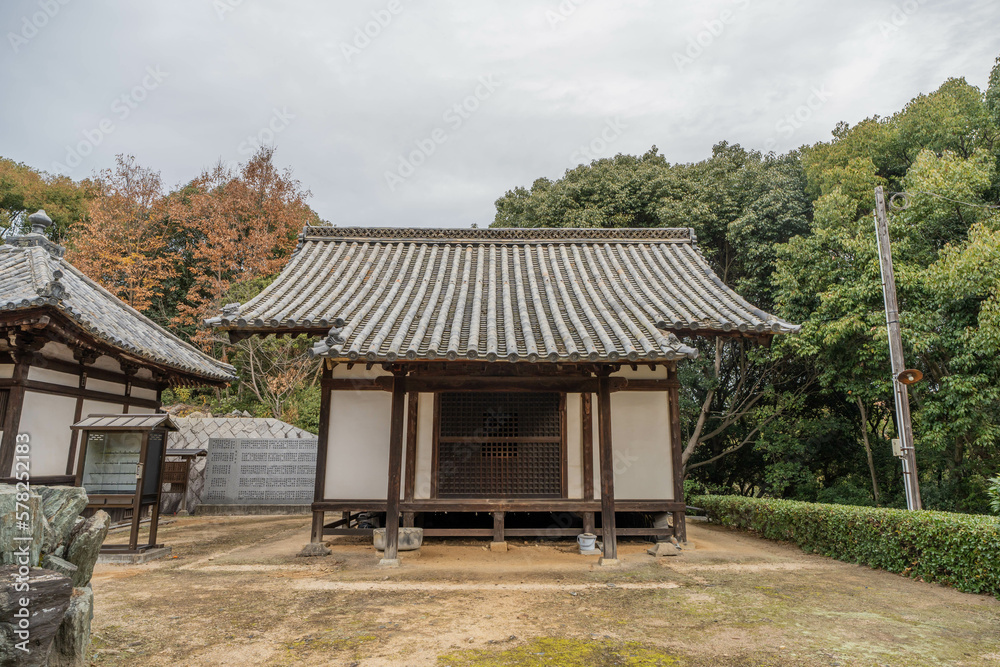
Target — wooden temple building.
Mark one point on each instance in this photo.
(499, 371)
(68, 349)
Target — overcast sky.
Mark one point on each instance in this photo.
(422, 113)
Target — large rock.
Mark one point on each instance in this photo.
(85, 544)
(48, 597)
(61, 506)
(14, 528)
(73, 637)
(57, 564)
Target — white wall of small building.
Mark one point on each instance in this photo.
(357, 457)
(6, 372)
(46, 417)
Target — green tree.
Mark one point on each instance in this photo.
(24, 190)
(741, 204)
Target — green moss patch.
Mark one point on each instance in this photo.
(563, 652)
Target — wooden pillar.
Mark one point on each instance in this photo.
(587, 432)
(676, 446)
(323, 445)
(410, 483)
(608, 534)
(397, 426)
(15, 403)
(133, 536)
(154, 515)
(498, 521)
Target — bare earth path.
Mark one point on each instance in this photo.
(237, 595)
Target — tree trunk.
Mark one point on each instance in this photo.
(868, 449)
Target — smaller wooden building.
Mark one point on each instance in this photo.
(499, 370)
(121, 468)
(68, 349)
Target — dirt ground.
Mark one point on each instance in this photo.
(236, 594)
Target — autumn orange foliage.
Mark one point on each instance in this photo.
(236, 225)
(122, 243)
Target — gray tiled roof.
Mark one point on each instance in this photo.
(499, 294)
(121, 422)
(197, 431)
(32, 277)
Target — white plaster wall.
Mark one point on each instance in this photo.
(596, 446)
(6, 371)
(105, 386)
(59, 351)
(574, 445)
(54, 377)
(98, 408)
(357, 458)
(358, 371)
(142, 392)
(642, 371)
(107, 363)
(425, 446)
(640, 436)
(139, 410)
(46, 419)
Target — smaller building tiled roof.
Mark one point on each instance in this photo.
(33, 274)
(195, 432)
(126, 422)
(517, 295)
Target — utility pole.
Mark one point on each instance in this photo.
(900, 376)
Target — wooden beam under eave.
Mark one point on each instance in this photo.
(473, 383)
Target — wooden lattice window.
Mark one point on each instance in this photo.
(503, 445)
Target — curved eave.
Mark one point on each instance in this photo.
(77, 332)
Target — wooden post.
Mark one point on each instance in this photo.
(140, 481)
(587, 434)
(902, 398)
(498, 520)
(608, 535)
(391, 555)
(15, 403)
(323, 445)
(676, 446)
(410, 483)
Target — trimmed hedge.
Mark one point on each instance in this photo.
(961, 550)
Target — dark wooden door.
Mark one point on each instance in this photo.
(500, 445)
